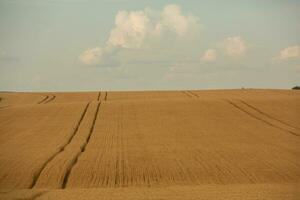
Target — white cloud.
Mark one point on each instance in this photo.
(289, 52)
(91, 56)
(133, 29)
(234, 46)
(130, 29)
(173, 20)
(209, 55)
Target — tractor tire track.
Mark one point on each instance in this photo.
(267, 115)
(37, 175)
(38, 195)
(105, 98)
(67, 175)
(264, 121)
(92, 127)
(99, 95)
(194, 94)
(43, 100)
(0, 101)
(51, 99)
(187, 94)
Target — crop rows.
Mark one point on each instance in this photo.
(152, 143)
(149, 145)
(40, 133)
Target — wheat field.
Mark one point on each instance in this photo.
(210, 144)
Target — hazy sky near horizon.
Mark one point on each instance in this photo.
(80, 45)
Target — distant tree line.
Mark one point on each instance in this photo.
(296, 88)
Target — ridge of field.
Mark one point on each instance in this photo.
(147, 145)
(19, 98)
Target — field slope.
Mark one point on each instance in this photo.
(214, 144)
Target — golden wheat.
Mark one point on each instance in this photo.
(222, 144)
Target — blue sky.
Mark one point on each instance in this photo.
(83, 45)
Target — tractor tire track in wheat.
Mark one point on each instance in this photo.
(50, 99)
(37, 175)
(43, 100)
(66, 178)
(187, 94)
(105, 98)
(99, 95)
(194, 94)
(262, 120)
(267, 115)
